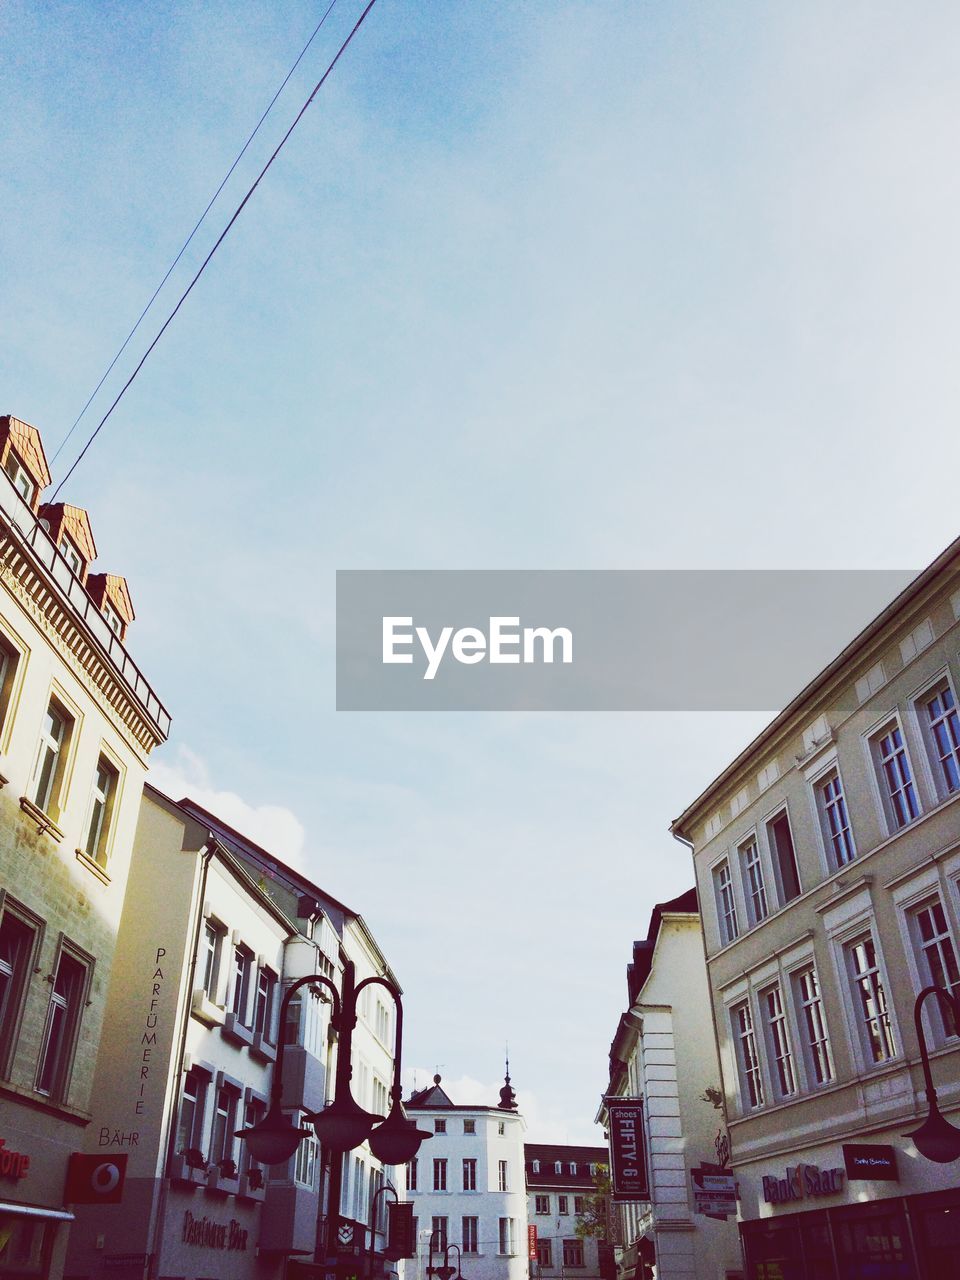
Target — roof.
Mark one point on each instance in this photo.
(549, 1154)
(26, 440)
(64, 518)
(680, 826)
(114, 587)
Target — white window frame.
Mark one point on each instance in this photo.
(778, 1042)
(752, 892)
(782, 811)
(725, 898)
(99, 823)
(892, 723)
(468, 1173)
(20, 477)
(839, 842)
(470, 1239)
(71, 553)
(934, 771)
(801, 1001)
(72, 1016)
(14, 995)
(439, 1173)
(50, 794)
(744, 1033)
(503, 1175)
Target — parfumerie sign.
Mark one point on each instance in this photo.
(801, 1181)
(628, 1157)
(213, 1235)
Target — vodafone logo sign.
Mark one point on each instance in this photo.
(95, 1179)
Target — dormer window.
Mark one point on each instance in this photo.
(113, 618)
(72, 556)
(21, 477)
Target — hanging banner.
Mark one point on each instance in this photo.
(532, 1242)
(628, 1157)
(401, 1235)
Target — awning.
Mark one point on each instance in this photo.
(36, 1211)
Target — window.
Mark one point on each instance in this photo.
(307, 1159)
(439, 1126)
(359, 1188)
(72, 556)
(100, 812)
(438, 1234)
(263, 1004)
(224, 1124)
(726, 905)
(938, 959)
(784, 858)
(541, 1205)
(508, 1235)
(941, 727)
(578, 1205)
(439, 1175)
(753, 887)
(9, 660)
(896, 778)
(23, 482)
(593, 1171)
(190, 1120)
(813, 1027)
(470, 1235)
(573, 1253)
(751, 1081)
(563, 1206)
(212, 938)
(46, 785)
(536, 1166)
(778, 1042)
(501, 1127)
(383, 1023)
(412, 1176)
(242, 965)
(835, 820)
(62, 1024)
(573, 1169)
(17, 939)
(114, 621)
(558, 1167)
(379, 1097)
(544, 1253)
(253, 1112)
(502, 1175)
(876, 1034)
(469, 1126)
(469, 1175)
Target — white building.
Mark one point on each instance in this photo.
(467, 1185)
(664, 1053)
(560, 1181)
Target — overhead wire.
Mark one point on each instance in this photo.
(197, 226)
(220, 239)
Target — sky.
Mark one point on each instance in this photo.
(543, 285)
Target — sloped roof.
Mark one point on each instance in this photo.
(74, 521)
(113, 587)
(26, 441)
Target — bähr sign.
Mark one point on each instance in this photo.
(628, 1156)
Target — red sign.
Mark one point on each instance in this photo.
(95, 1179)
(628, 1156)
(532, 1242)
(13, 1164)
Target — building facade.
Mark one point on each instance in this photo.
(561, 1181)
(78, 721)
(827, 856)
(467, 1185)
(664, 1054)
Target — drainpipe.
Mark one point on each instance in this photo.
(206, 855)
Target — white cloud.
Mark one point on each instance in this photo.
(276, 828)
(467, 1091)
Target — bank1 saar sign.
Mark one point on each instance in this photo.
(628, 1155)
(801, 1181)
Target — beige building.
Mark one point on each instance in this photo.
(827, 858)
(664, 1054)
(78, 721)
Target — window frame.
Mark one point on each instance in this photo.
(852, 939)
(541, 1204)
(470, 1239)
(212, 956)
(13, 665)
(439, 1173)
(573, 1255)
(51, 799)
(66, 1054)
(265, 1011)
(935, 770)
(806, 1038)
(241, 969)
(938, 1031)
(750, 1077)
(752, 841)
(892, 723)
(726, 911)
(782, 811)
(778, 1042)
(468, 1173)
(107, 819)
(14, 475)
(14, 998)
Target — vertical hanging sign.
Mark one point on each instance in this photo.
(628, 1157)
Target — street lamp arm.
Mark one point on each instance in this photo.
(394, 991)
(312, 980)
(953, 1004)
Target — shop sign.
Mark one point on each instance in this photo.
(714, 1192)
(13, 1164)
(213, 1235)
(801, 1181)
(401, 1242)
(532, 1242)
(628, 1160)
(95, 1179)
(871, 1161)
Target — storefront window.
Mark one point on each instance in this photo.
(773, 1250)
(872, 1244)
(25, 1245)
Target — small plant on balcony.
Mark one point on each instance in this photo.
(228, 1168)
(255, 1178)
(193, 1158)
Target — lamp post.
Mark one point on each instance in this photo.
(446, 1271)
(936, 1139)
(343, 1124)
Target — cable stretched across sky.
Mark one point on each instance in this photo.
(196, 228)
(220, 239)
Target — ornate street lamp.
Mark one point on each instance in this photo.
(344, 1124)
(446, 1271)
(936, 1139)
